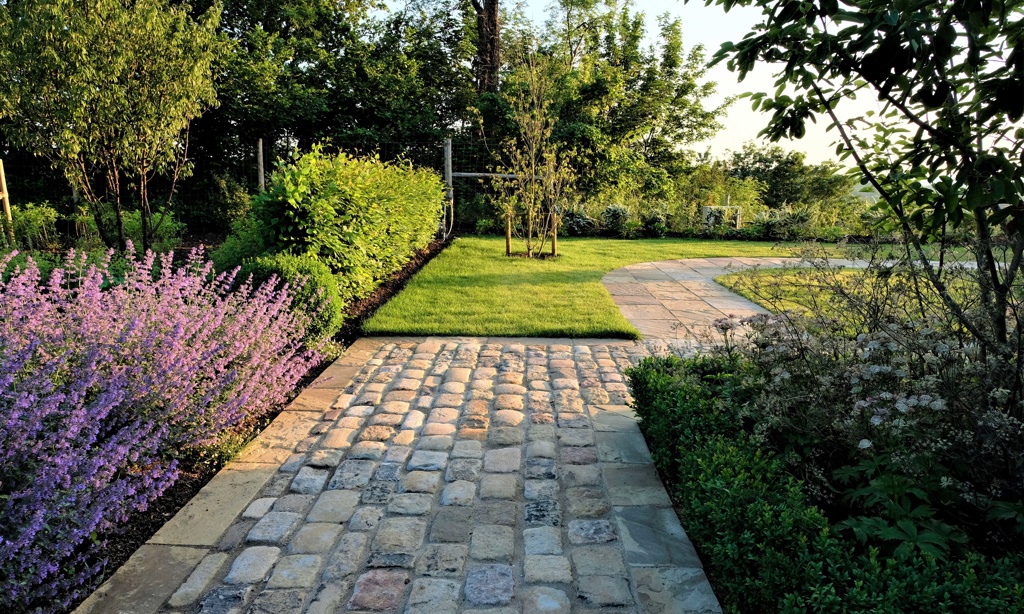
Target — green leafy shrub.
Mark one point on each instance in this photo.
(313, 287)
(616, 221)
(361, 217)
(166, 230)
(765, 546)
(248, 239)
(576, 223)
(655, 223)
(870, 584)
(35, 225)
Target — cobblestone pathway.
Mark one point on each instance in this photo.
(433, 476)
(460, 475)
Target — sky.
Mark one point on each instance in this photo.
(712, 26)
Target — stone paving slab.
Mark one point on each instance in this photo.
(421, 475)
(675, 302)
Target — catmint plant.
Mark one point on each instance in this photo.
(104, 383)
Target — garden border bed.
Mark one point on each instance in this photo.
(141, 526)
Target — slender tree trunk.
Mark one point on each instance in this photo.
(529, 234)
(122, 240)
(488, 53)
(993, 292)
(508, 235)
(114, 183)
(146, 215)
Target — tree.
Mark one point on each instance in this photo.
(945, 149)
(122, 116)
(301, 72)
(788, 180)
(540, 186)
(628, 111)
(487, 63)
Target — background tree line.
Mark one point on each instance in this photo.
(361, 77)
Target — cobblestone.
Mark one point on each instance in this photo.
(543, 540)
(296, 571)
(490, 585)
(547, 568)
(379, 590)
(492, 543)
(252, 565)
(399, 535)
(431, 596)
(315, 538)
(545, 600)
(273, 527)
(334, 506)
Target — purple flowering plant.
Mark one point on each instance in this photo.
(104, 383)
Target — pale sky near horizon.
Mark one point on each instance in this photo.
(712, 26)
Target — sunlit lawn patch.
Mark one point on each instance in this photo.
(473, 289)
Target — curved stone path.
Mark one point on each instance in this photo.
(463, 475)
(677, 300)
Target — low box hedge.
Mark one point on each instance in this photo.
(764, 546)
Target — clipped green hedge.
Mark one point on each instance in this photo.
(361, 217)
(317, 298)
(765, 548)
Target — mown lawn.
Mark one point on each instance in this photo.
(472, 289)
(806, 291)
(781, 289)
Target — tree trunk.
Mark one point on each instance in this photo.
(488, 52)
(114, 183)
(145, 213)
(508, 235)
(993, 292)
(122, 241)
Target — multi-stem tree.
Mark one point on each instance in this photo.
(107, 88)
(539, 182)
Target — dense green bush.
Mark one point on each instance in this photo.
(576, 223)
(313, 287)
(34, 225)
(655, 223)
(616, 221)
(167, 229)
(361, 217)
(766, 548)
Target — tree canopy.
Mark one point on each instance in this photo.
(113, 117)
(946, 149)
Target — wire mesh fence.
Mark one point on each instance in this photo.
(217, 185)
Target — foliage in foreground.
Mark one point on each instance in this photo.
(943, 151)
(104, 390)
(766, 546)
(360, 217)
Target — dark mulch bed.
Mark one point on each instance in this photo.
(140, 526)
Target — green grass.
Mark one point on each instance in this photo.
(779, 289)
(472, 289)
(806, 291)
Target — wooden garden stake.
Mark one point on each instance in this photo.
(554, 236)
(9, 224)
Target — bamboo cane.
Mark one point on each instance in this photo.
(8, 222)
